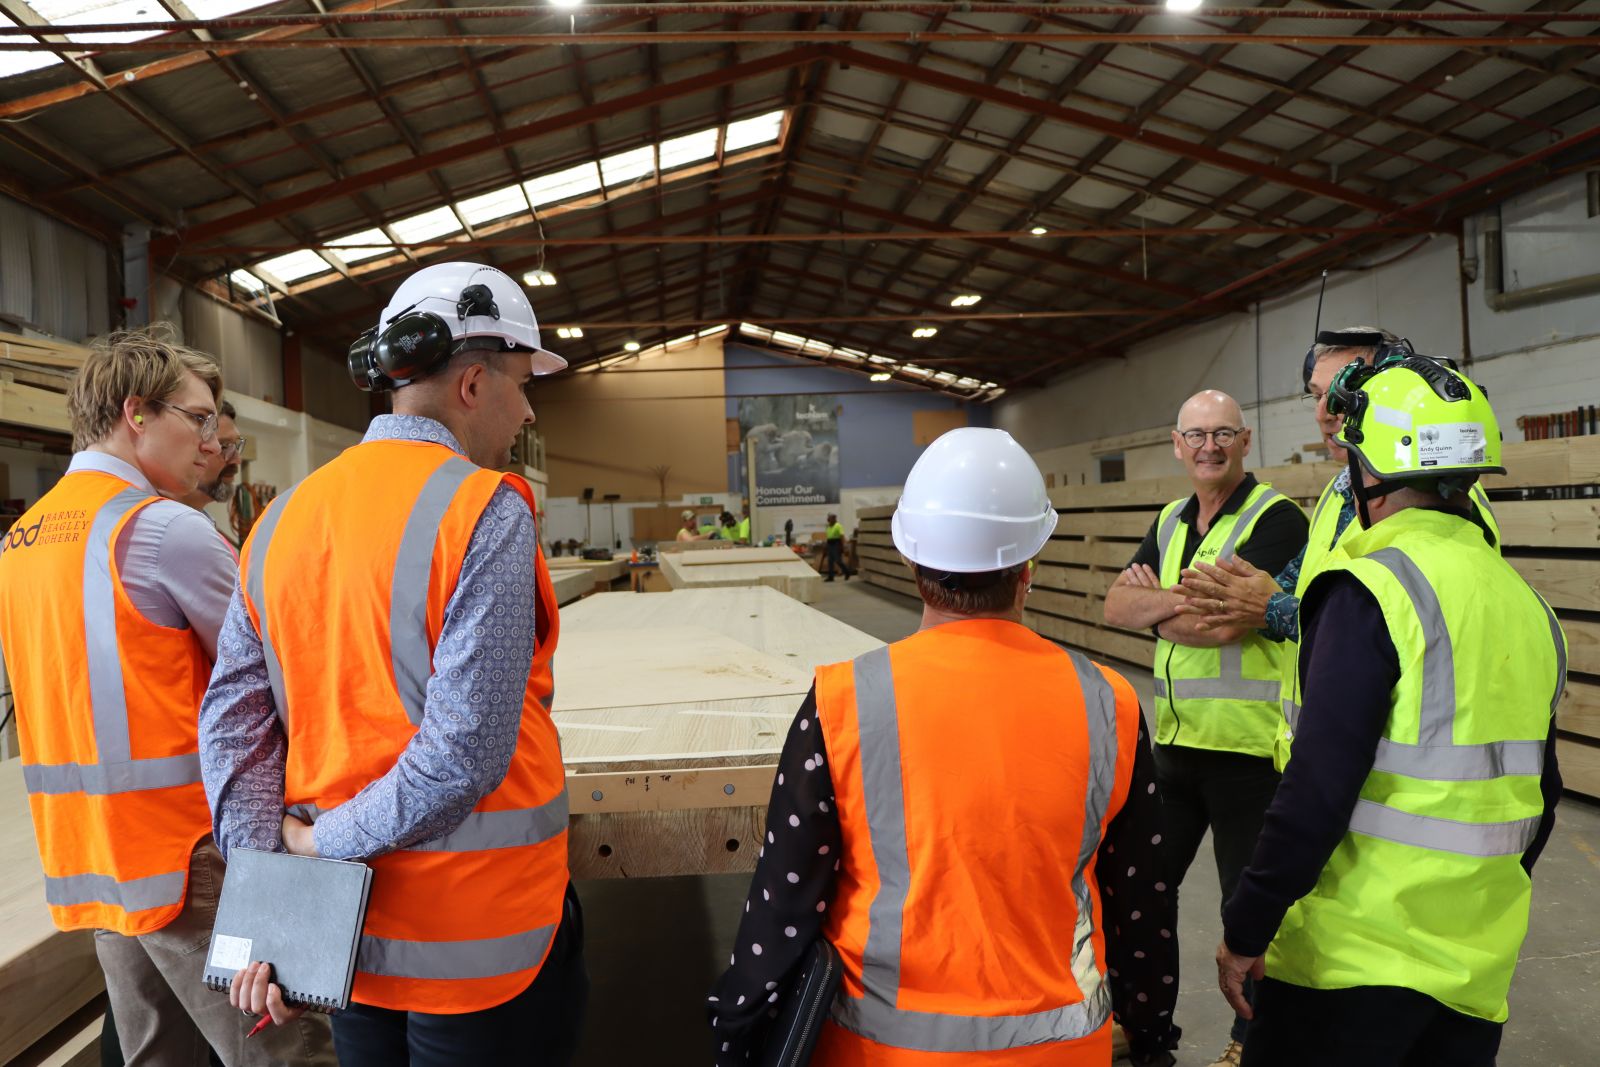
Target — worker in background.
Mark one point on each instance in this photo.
(728, 527)
(216, 484)
(111, 599)
(394, 709)
(1392, 877)
(1217, 689)
(743, 534)
(1232, 593)
(969, 816)
(835, 548)
(689, 531)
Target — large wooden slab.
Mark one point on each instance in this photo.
(605, 572)
(45, 975)
(680, 664)
(627, 748)
(778, 569)
(570, 585)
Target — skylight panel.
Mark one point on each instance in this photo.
(350, 252)
(426, 226)
(563, 184)
(216, 9)
(626, 166)
(77, 12)
(495, 205)
(243, 279)
(748, 132)
(681, 151)
(22, 62)
(301, 263)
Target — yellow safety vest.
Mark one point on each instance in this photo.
(1227, 698)
(1427, 891)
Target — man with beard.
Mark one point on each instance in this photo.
(216, 484)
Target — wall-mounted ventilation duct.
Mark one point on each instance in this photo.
(1494, 293)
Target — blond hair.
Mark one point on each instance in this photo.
(149, 364)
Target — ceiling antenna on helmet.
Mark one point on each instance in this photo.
(1316, 330)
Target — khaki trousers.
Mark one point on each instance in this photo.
(166, 1017)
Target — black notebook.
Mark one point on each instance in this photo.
(812, 987)
(302, 915)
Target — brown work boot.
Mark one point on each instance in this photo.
(1230, 1056)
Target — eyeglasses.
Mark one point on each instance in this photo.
(1224, 437)
(232, 450)
(1312, 400)
(205, 422)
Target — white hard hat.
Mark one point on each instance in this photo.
(975, 501)
(439, 289)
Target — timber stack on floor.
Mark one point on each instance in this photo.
(1546, 506)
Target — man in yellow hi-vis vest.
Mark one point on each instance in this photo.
(1218, 691)
(1392, 877)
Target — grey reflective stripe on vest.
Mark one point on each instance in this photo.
(136, 894)
(116, 771)
(1444, 835)
(106, 779)
(875, 1015)
(445, 960)
(256, 586)
(1229, 684)
(1291, 713)
(484, 830)
(1267, 499)
(1460, 763)
(1164, 537)
(409, 654)
(1561, 654)
(1438, 656)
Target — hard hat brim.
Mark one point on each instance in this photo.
(547, 362)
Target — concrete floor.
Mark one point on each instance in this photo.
(656, 945)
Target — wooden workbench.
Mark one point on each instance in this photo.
(570, 584)
(606, 572)
(777, 568)
(46, 976)
(668, 777)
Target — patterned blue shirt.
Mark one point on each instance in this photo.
(1283, 609)
(464, 744)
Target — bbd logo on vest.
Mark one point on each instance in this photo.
(50, 528)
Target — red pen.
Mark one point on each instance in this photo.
(260, 1026)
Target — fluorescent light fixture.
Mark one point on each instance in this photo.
(1183, 5)
(880, 377)
(965, 300)
(569, 333)
(565, 3)
(924, 331)
(1038, 231)
(631, 346)
(301, 263)
(351, 252)
(427, 225)
(535, 278)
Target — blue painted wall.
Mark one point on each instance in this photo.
(875, 428)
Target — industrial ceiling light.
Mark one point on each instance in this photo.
(631, 346)
(1183, 5)
(965, 300)
(1040, 231)
(569, 333)
(881, 377)
(565, 3)
(536, 278)
(924, 331)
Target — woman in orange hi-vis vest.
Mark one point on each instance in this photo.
(111, 598)
(968, 816)
(384, 691)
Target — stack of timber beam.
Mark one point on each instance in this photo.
(1546, 505)
(34, 377)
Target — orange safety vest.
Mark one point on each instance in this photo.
(108, 708)
(976, 766)
(354, 568)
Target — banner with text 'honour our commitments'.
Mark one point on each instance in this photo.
(796, 439)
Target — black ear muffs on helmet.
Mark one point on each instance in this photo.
(412, 344)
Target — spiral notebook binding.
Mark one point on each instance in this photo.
(325, 1005)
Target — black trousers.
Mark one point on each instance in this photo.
(537, 1028)
(1372, 1026)
(1225, 791)
(836, 559)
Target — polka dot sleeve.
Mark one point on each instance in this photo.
(1139, 913)
(789, 895)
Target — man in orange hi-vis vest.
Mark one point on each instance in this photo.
(383, 695)
(111, 599)
(969, 816)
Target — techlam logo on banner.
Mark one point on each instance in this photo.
(50, 528)
(796, 441)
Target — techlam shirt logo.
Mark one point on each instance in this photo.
(53, 527)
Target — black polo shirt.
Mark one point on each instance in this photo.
(1279, 536)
